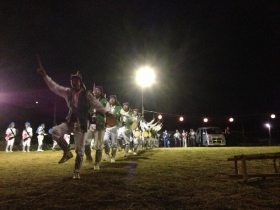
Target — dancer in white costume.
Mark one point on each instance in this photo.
(10, 137)
(41, 134)
(27, 134)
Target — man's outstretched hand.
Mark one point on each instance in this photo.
(42, 71)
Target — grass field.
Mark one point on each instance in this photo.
(174, 178)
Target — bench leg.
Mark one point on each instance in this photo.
(235, 166)
(244, 168)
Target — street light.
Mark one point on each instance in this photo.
(272, 116)
(145, 77)
(269, 133)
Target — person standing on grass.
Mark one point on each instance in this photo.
(110, 137)
(227, 136)
(184, 138)
(192, 138)
(41, 133)
(10, 133)
(166, 136)
(124, 130)
(97, 128)
(177, 138)
(80, 103)
(27, 134)
(136, 139)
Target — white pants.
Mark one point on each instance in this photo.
(110, 136)
(40, 140)
(98, 139)
(26, 142)
(184, 142)
(11, 142)
(97, 136)
(122, 134)
(79, 137)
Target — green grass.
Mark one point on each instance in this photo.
(174, 178)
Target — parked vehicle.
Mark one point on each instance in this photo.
(209, 136)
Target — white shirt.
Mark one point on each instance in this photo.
(9, 132)
(24, 133)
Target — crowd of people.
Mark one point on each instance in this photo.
(187, 139)
(184, 139)
(97, 123)
(27, 134)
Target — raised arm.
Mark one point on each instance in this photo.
(53, 86)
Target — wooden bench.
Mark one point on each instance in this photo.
(243, 173)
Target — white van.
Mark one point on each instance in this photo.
(209, 136)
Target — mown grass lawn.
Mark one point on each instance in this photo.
(159, 178)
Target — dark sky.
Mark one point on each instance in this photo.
(212, 58)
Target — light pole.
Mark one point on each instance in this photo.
(145, 77)
(269, 133)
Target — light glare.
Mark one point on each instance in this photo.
(145, 77)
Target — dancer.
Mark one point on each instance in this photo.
(41, 134)
(27, 134)
(10, 137)
(110, 137)
(80, 102)
(97, 129)
(124, 131)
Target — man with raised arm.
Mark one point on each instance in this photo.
(80, 103)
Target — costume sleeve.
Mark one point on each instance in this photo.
(8, 132)
(107, 107)
(95, 104)
(57, 89)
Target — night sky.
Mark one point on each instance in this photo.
(212, 58)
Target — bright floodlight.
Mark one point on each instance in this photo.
(160, 117)
(231, 119)
(272, 116)
(181, 119)
(205, 120)
(267, 125)
(145, 76)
